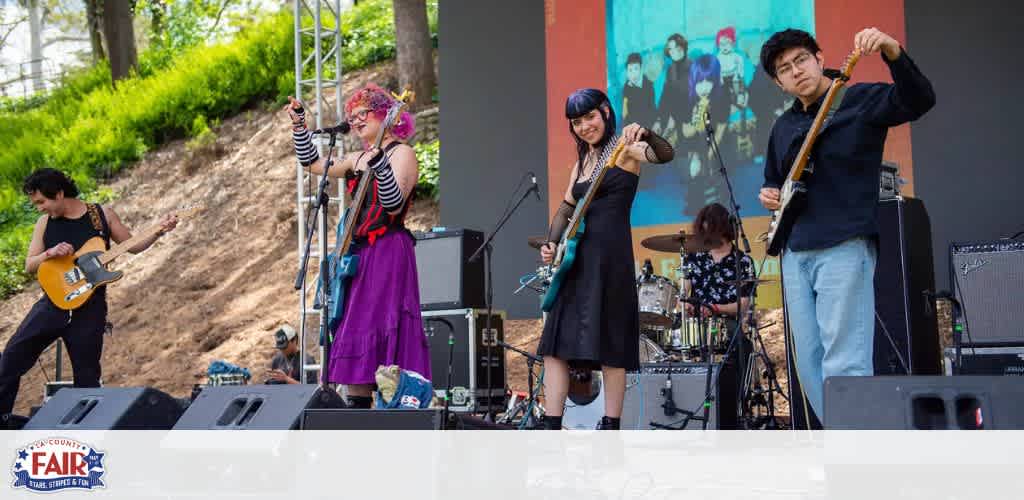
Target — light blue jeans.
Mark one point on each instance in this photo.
(830, 300)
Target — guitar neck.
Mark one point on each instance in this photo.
(358, 200)
(796, 172)
(120, 249)
(581, 207)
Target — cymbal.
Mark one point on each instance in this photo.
(673, 243)
(536, 241)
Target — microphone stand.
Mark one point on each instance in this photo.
(320, 203)
(742, 316)
(446, 415)
(490, 338)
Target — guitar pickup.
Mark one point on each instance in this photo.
(78, 292)
(73, 276)
(489, 337)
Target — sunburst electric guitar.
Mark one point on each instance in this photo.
(565, 254)
(342, 264)
(70, 280)
(793, 195)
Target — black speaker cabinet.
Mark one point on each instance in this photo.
(907, 403)
(107, 408)
(988, 278)
(369, 420)
(256, 407)
(906, 329)
(447, 279)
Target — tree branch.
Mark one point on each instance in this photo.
(216, 21)
(65, 39)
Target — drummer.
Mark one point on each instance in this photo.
(712, 274)
(712, 279)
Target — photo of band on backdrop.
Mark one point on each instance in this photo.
(663, 64)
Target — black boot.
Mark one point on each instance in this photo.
(360, 402)
(551, 423)
(609, 424)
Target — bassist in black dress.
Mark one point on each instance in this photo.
(594, 322)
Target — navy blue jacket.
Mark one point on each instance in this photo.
(842, 197)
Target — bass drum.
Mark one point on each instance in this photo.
(584, 405)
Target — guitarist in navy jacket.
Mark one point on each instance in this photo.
(830, 255)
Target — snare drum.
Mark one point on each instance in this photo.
(657, 297)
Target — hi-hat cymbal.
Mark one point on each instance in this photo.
(673, 243)
(536, 241)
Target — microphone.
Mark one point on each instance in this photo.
(535, 187)
(707, 121)
(341, 128)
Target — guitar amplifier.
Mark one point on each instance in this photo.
(644, 404)
(987, 278)
(446, 277)
(986, 361)
(469, 359)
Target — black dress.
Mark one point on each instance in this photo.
(595, 319)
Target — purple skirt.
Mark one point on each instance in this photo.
(382, 323)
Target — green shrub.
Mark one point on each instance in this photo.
(427, 153)
(91, 130)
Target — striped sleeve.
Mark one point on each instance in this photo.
(388, 192)
(305, 150)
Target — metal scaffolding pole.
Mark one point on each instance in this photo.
(317, 67)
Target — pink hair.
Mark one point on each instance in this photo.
(728, 32)
(379, 101)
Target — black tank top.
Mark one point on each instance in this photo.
(375, 221)
(75, 231)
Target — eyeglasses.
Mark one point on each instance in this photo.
(359, 115)
(785, 69)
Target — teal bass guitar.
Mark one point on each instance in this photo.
(568, 245)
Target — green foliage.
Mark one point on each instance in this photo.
(369, 32)
(427, 153)
(91, 130)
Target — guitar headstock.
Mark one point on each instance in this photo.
(849, 63)
(189, 211)
(394, 115)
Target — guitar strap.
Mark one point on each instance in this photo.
(99, 222)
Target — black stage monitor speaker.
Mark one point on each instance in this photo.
(987, 278)
(107, 408)
(906, 330)
(907, 403)
(447, 279)
(370, 420)
(255, 407)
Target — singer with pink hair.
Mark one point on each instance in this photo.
(381, 323)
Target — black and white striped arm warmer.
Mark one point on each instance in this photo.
(305, 150)
(388, 192)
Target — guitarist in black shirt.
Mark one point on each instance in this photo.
(66, 224)
(830, 253)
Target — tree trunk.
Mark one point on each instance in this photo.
(94, 24)
(415, 54)
(117, 26)
(35, 27)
